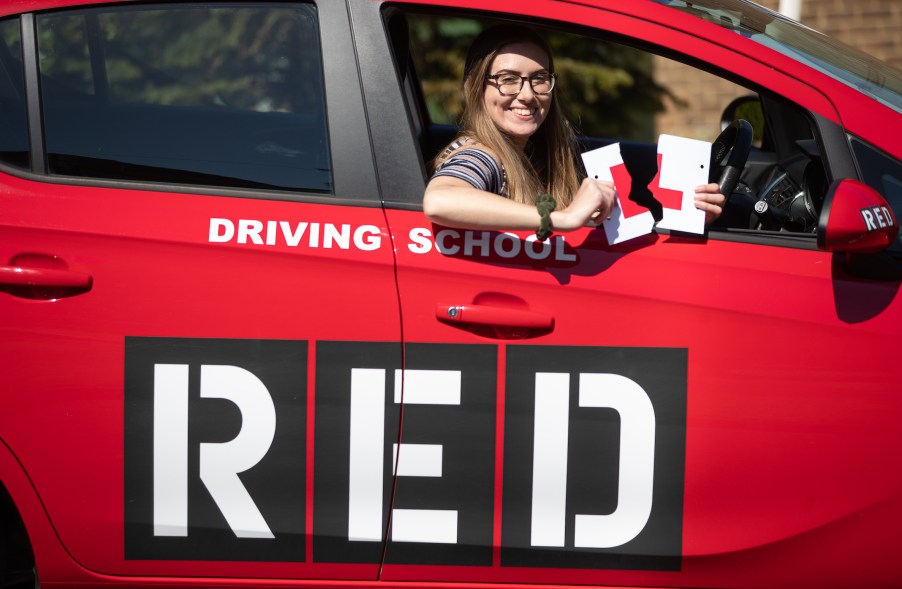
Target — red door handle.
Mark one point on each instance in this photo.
(52, 277)
(44, 284)
(491, 315)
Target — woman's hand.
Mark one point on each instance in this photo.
(595, 199)
(709, 199)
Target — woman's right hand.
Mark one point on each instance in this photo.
(594, 200)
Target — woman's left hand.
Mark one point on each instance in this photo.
(709, 199)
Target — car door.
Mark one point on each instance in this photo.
(191, 249)
(675, 410)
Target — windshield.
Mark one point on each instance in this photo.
(825, 54)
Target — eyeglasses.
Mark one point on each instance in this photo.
(512, 84)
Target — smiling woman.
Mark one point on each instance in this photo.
(513, 164)
(507, 120)
(514, 144)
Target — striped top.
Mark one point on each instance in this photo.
(475, 167)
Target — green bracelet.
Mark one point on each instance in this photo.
(545, 203)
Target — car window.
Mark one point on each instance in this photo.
(619, 90)
(212, 94)
(13, 117)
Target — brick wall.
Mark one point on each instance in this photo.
(872, 26)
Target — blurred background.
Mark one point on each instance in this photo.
(872, 26)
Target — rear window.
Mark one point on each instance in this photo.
(212, 94)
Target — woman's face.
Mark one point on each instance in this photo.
(520, 115)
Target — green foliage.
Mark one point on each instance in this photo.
(753, 113)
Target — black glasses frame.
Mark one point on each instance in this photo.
(551, 76)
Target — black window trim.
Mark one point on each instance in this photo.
(32, 94)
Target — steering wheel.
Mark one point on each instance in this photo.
(729, 153)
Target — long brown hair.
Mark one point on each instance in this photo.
(549, 162)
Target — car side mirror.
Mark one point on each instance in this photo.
(855, 218)
(857, 221)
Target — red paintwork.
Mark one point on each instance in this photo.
(780, 392)
(155, 274)
(791, 474)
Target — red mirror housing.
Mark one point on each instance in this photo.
(855, 218)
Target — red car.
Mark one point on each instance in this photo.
(234, 352)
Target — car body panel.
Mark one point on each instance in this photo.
(167, 269)
(158, 260)
(678, 292)
(770, 465)
(767, 365)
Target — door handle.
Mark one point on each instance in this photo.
(46, 277)
(492, 315)
(43, 284)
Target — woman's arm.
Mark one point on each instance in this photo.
(452, 202)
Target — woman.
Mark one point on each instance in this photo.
(515, 145)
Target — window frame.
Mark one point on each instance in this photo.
(837, 156)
